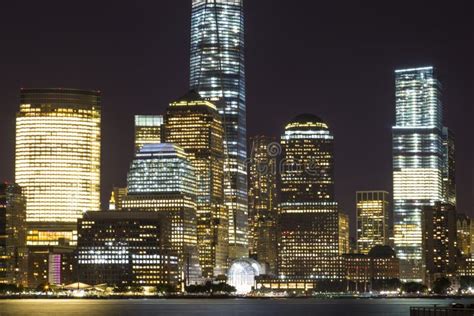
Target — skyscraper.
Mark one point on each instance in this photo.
(372, 219)
(57, 161)
(147, 130)
(263, 206)
(449, 167)
(308, 237)
(195, 124)
(218, 73)
(417, 162)
(161, 179)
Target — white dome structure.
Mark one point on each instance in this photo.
(242, 273)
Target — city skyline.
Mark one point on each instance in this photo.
(119, 110)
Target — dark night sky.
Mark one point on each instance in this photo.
(331, 58)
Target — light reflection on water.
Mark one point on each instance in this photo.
(218, 307)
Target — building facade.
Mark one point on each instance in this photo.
(123, 248)
(417, 161)
(465, 233)
(13, 251)
(344, 234)
(51, 265)
(263, 205)
(57, 161)
(439, 241)
(196, 126)
(449, 167)
(147, 130)
(162, 180)
(372, 219)
(308, 236)
(218, 73)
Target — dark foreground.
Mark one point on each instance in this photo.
(218, 307)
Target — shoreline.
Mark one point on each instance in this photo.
(221, 297)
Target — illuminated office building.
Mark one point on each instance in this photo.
(162, 180)
(465, 233)
(262, 195)
(147, 130)
(13, 252)
(417, 162)
(344, 234)
(218, 73)
(195, 125)
(122, 248)
(439, 241)
(51, 264)
(57, 161)
(116, 198)
(308, 237)
(372, 219)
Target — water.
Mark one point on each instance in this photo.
(218, 307)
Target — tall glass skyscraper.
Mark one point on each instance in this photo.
(57, 161)
(417, 161)
(217, 72)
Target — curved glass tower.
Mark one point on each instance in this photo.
(217, 72)
(57, 160)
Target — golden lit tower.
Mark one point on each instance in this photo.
(372, 219)
(195, 125)
(263, 199)
(57, 161)
(147, 130)
(308, 238)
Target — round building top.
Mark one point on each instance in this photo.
(306, 121)
(242, 273)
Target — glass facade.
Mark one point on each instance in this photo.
(449, 167)
(417, 161)
(218, 73)
(122, 248)
(162, 180)
(372, 219)
(147, 130)
(57, 160)
(195, 124)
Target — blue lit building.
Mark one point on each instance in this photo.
(418, 162)
(218, 73)
(161, 179)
